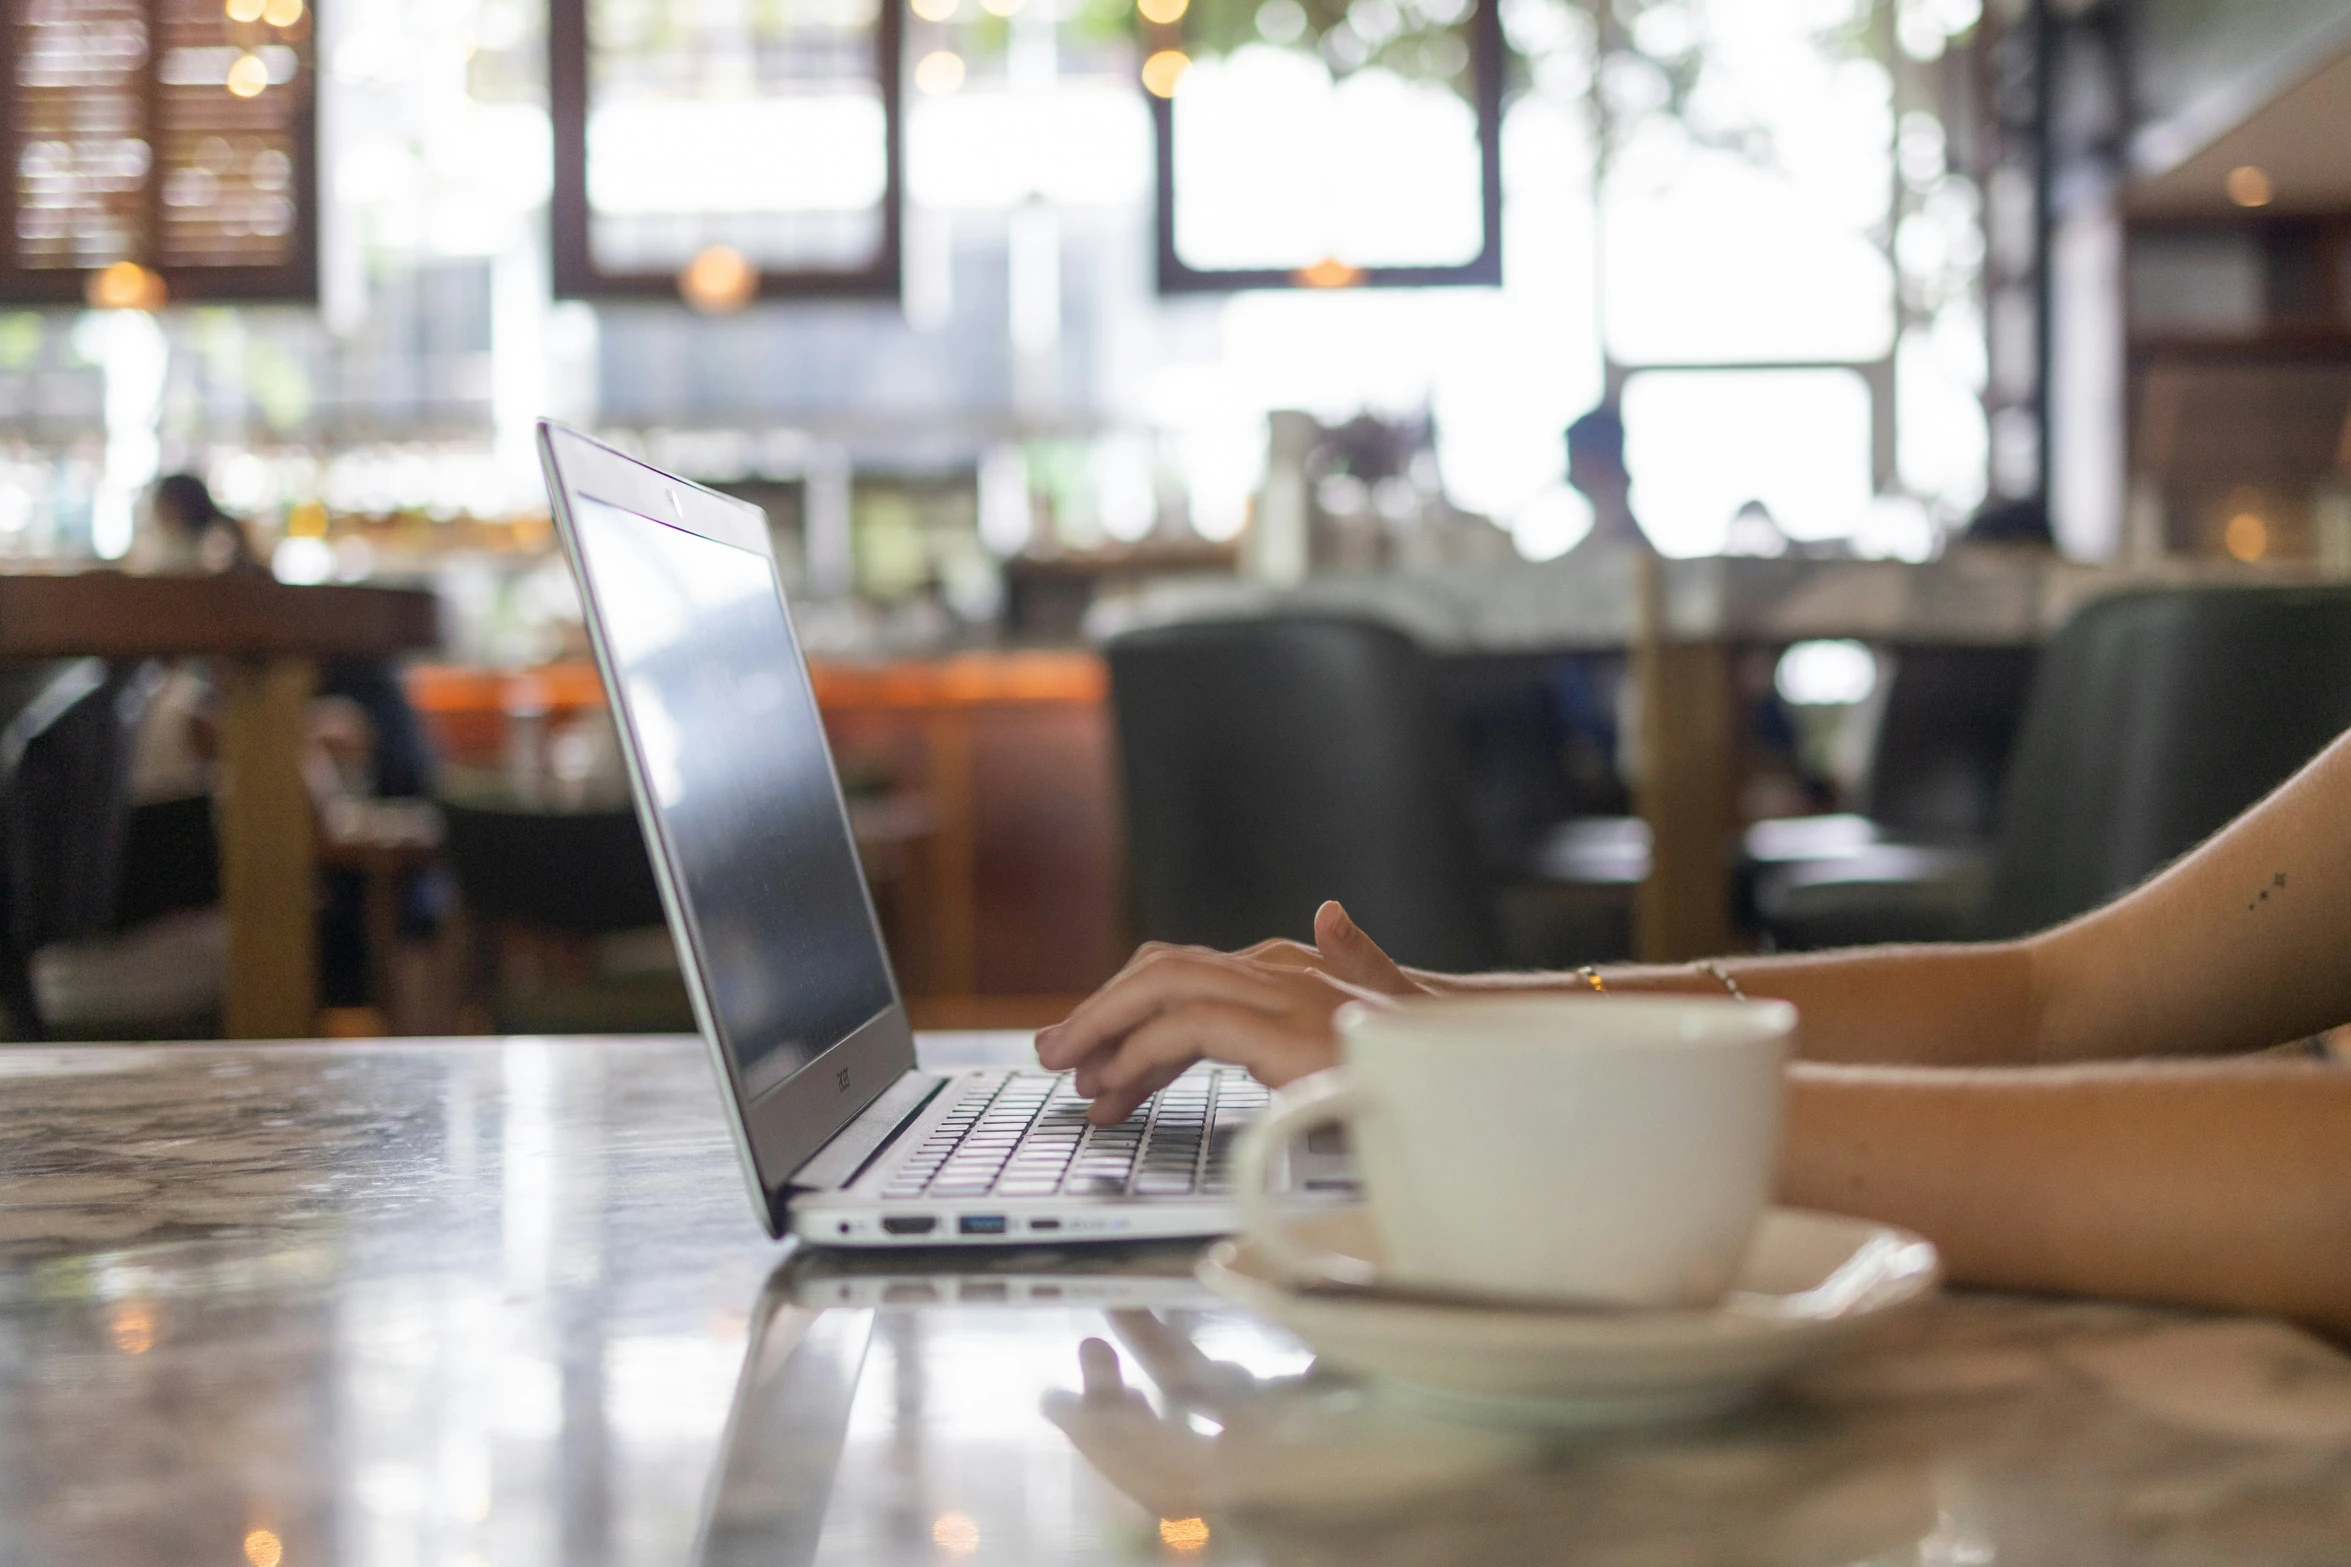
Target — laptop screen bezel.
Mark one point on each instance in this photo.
(781, 1128)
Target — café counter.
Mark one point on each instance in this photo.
(1003, 762)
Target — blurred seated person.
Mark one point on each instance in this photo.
(363, 737)
(189, 535)
(2113, 1107)
(1595, 466)
(364, 722)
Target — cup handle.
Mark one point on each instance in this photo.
(1324, 1098)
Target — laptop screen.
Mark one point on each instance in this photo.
(734, 759)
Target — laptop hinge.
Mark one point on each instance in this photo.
(852, 1148)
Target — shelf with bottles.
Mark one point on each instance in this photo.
(308, 543)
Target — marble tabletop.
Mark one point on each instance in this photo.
(504, 1302)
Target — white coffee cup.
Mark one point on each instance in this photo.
(1597, 1150)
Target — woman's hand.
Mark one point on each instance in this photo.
(1268, 1009)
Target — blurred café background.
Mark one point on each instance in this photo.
(1161, 411)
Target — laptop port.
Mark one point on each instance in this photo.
(981, 1224)
(1044, 1224)
(909, 1224)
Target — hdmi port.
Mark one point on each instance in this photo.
(909, 1224)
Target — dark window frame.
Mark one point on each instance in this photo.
(294, 282)
(1488, 59)
(576, 274)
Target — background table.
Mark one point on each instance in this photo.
(1684, 622)
(499, 1302)
(267, 638)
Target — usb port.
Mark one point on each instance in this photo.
(909, 1224)
(1044, 1224)
(981, 1224)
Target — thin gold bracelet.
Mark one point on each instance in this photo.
(1723, 974)
(1591, 976)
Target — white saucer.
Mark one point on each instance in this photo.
(1808, 1280)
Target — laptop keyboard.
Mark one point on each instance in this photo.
(1025, 1134)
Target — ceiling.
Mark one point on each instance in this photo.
(2301, 138)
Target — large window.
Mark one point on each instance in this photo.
(1770, 214)
(173, 135)
(1791, 256)
(729, 147)
(1326, 144)
(1703, 445)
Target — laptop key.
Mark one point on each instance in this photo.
(1162, 1185)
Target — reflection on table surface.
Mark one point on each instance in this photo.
(504, 1303)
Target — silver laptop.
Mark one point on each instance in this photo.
(845, 1141)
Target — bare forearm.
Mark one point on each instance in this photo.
(2212, 1183)
(1932, 1005)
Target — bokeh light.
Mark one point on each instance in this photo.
(2250, 187)
(938, 73)
(1163, 70)
(1826, 674)
(956, 1534)
(1330, 272)
(133, 1327)
(249, 76)
(1184, 1535)
(2246, 537)
(718, 280)
(125, 286)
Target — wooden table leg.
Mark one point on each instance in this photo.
(267, 857)
(1689, 748)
